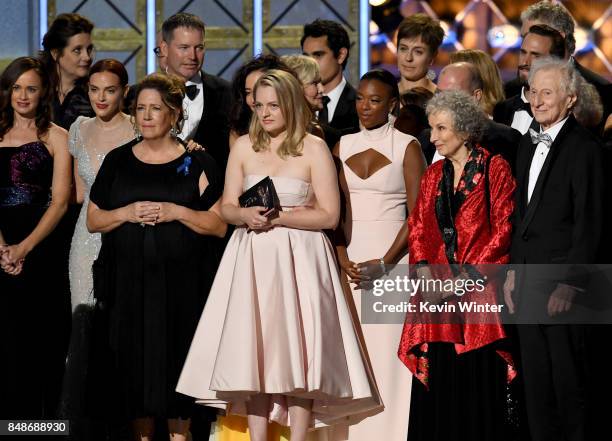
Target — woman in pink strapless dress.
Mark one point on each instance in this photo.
(381, 168)
(276, 340)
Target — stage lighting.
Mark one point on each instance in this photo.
(504, 36)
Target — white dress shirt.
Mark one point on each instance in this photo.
(193, 109)
(539, 157)
(522, 119)
(334, 98)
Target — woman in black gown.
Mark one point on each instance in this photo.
(35, 179)
(157, 205)
(67, 55)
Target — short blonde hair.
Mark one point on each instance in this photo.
(492, 87)
(306, 68)
(294, 108)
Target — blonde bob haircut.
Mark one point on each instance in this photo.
(293, 107)
(492, 86)
(306, 68)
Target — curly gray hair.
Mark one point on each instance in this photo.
(555, 16)
(467, 116)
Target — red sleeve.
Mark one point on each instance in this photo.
(502, 186)
(417, 223)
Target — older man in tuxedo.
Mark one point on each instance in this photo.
(497, 138)
(557, 17)
(208, 99)
(558, 221)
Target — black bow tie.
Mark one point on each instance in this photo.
(192, 91)
(323, 113)
(519, 105)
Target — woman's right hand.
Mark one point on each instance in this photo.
(254, 218)
(144, 213)
(353, 272)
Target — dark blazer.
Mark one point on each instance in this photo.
(213, 130)
(345, 116)
(562, 224)
(513, 87)
(504, 110)
(496, 138)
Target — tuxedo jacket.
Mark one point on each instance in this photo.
(562, 223)
(512, 90)
(496, 138)
(345, 117)
(213, 130)
(503, 112)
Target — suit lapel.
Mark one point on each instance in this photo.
(543, 176)
(341, 106)
(209, 96)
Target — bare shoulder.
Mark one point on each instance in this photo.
(242, 145)
(315, 147)
(56, 137)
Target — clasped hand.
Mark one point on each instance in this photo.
(362, 274)
(151, 213)
(256, 218)
(12, 258)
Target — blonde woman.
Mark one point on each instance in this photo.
(307, 71)
(276, 339)
(492, 87)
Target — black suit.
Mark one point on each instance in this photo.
(561, 225)
(496, 138)
(213, 128)
(513, 88)
(504, 110)
(345, 117)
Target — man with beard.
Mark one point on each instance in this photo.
(540, 41)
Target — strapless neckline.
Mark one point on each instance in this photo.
(27, 144)
(276, 177)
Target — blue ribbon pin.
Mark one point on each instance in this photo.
(184, 167)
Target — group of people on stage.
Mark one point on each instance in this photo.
(136, 291)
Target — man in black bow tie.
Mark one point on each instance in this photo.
(208, 99)
(540, 41)
(558, 222)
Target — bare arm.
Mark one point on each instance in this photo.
(202, 222)
(57, 141)
(414, 166)
(324, 181)
(78, 183)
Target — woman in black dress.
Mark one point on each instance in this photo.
(35, 179)
(158, 207)
(67, 55)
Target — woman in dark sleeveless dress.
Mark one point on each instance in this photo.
(67, 55)
(156, 204)
(35, 179)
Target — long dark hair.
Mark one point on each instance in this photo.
(240, 115)
(62, 29)
(9, 77)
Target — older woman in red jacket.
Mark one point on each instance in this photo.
(461, 219)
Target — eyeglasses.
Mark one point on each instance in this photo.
(157, 51)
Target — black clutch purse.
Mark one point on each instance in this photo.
(262, 194)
